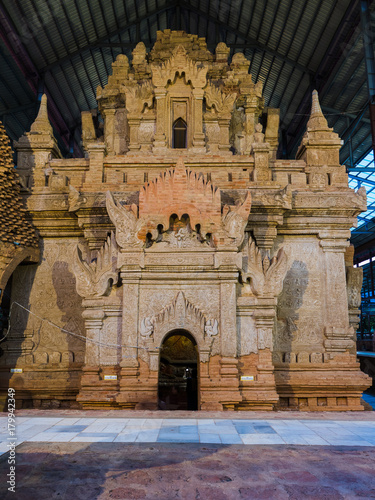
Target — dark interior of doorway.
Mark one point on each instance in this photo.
(178, 372)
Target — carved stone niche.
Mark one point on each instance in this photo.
(179, 84)
(180, 315)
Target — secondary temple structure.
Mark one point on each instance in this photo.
(182, 265)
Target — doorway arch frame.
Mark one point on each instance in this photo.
(191, 337)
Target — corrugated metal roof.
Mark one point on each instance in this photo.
(293, 46)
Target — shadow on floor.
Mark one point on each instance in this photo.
(157, 471)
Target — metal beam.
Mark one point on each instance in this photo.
(251, 43)
(360, 169)
(362, 181)
(105, 38)
(18, 109)
(351, 13)
(368, 46)
(327, 111)
(32, 76)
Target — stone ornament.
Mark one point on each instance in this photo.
(235, 220)
(183, 238)
(266, 275)
(75, 199)
(126, 222)
(181, 191)
(217, 100)
(138, 96)
(211, 328)
(354, 278)
(179, 63)
(94, 279)
(147, 327)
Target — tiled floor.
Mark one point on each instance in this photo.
(190, 430)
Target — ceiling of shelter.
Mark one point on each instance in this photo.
(66, 47)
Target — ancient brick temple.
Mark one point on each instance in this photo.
(180, 256)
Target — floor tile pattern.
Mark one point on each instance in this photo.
(190, 430)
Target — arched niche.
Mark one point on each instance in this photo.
(179, 134)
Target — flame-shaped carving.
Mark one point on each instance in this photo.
(180, 306)
(94, 280)
(179, 63)
(266, 276)
(235, 220)
(223, 103)
(138, 96)
(126, 222)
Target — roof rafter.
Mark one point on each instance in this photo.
(98, 43)
(250, 43)
(20, 55)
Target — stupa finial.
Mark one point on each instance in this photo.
(317, 120)
(42, 123)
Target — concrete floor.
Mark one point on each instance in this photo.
(128, 455)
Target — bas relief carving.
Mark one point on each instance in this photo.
(354, 278)
(95, 279)
(299, 322)
(126, 222)
(212, 327)
(265, 275)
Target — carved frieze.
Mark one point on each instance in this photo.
(355, 201)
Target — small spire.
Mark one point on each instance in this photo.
(42, 123)
(317, 120)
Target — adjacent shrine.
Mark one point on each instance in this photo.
(184, 266)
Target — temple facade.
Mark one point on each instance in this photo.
(182, 265)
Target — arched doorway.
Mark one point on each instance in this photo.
(178, 372)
